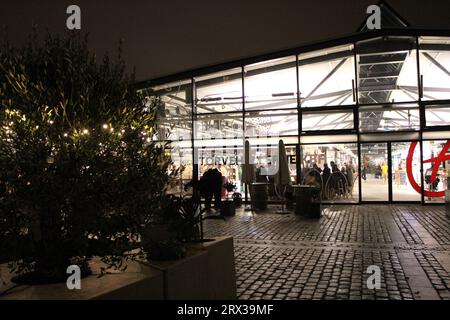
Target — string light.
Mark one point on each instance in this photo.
(105, 126)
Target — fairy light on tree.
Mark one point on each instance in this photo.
(74, 171)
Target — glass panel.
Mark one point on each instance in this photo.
(390, 136)
(218, 126)
(435, 67)
(292, 162)
(374, 172)
(436, 135)
(271, 84)
(389, 118)
(387, 70)
(264, 157)
(227, 159)
(271, 123)
(329, 138)
(181, 155)
(326, 76)
(175, 111)
(327, 120)
(219, 92)
(435, 169)
(405, 157)
(333, 167)
(272, 140)
(438, 115)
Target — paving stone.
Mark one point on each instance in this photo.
(288, 257)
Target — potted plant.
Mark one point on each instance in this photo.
(160, 238)
(193, 267)
(237, 199)
(227, 207)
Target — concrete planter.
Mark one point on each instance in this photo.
(184, 279)
(138, 282)
(221, 275)
(207, 272)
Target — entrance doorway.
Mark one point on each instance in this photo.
(384, 175)
(374, 172)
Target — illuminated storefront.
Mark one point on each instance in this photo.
(376, 105)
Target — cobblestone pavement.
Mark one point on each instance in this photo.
(290, 257)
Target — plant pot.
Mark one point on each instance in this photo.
(227, 209)
(237, 199)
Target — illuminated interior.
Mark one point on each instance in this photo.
(336, 103)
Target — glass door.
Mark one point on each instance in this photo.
(435, 170)
(374, 172)
(405, 168)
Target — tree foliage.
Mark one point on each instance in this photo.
(79, 171)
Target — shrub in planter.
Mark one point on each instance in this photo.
(227, 207)
(175, 222)
(78, 174)
(164, 250)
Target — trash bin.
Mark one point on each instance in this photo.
(259, 195)
(307, 201)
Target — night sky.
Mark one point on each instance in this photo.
(163, 37)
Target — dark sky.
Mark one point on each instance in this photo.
(167, 36)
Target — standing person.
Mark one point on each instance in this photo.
(384, 171)
(432, 185)
(334, 167)
(350, 172)
(315, 167)
(364, 171)
(211, 185)
(217, 185)
(205, 189)
(306, 169)
(378, 173)
(325, 173)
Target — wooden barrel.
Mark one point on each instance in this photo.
(259, 193)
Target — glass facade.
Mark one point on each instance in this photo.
(362, 107)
